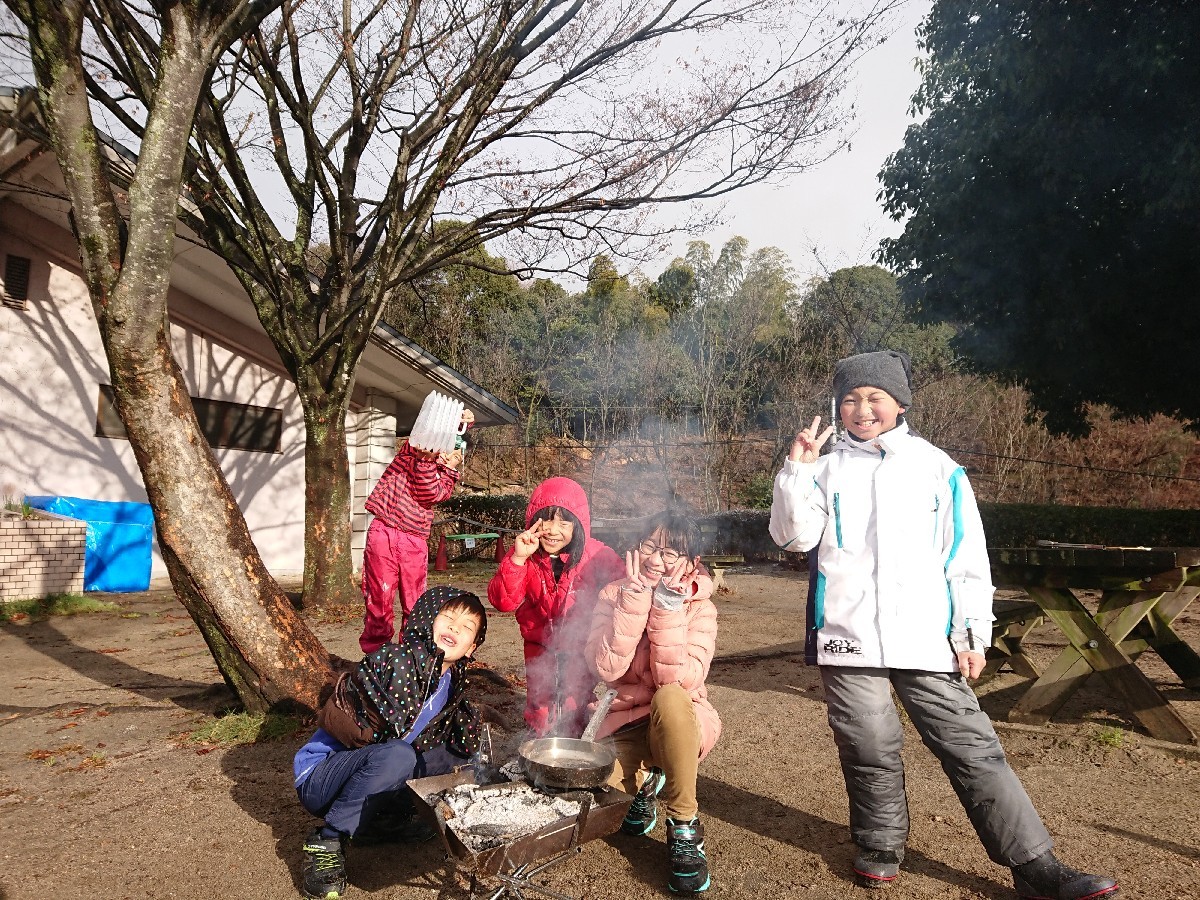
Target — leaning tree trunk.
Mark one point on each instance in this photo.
(328, 564)
(264, 650)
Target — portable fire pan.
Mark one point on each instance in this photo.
(513, 863)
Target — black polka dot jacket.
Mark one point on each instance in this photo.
(385, 692)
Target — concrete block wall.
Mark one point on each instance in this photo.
(40, 556)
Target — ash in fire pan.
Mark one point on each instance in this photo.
(486, 816)
(498, 828)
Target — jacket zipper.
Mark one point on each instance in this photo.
(837, 518)
(424, 696)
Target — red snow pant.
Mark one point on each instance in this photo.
(393, 559)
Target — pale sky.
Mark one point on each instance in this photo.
(833, 206)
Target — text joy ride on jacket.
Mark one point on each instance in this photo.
(637, 648)
(380, 699)
(901, 562)
(555, 616)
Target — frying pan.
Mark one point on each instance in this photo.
(570, 763)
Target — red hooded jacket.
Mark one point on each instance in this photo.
(555, 617)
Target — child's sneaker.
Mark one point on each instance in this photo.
(877, 868)
(689, 865)
(643, 812)
(324, 867)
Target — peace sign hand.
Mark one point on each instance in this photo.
(633, 572)
(807, 444)
(674, 580)
(527, 542)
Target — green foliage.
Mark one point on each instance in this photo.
(756, 493)
(862, 308)
(245, 728)
(1051, 197)
(54, 605)
(675, 289)
(21, 507)
(457, 306)
(1021, 525)
(1109, 736)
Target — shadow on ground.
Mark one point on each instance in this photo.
(106, 668)
(771, 819)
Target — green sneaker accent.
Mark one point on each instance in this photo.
(324, 867)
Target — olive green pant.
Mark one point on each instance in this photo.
(669, 738)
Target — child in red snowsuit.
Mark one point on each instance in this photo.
(552, 577)
(397, 551)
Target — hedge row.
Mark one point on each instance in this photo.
(1022, 524)
(744, 532)
(504, 510)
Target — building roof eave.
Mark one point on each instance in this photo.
(488, 407)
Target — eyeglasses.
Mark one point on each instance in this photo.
(666, 554)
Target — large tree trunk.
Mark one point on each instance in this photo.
(328, 563)
(264, 650)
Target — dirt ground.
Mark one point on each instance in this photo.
(100, 798)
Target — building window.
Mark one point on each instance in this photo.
(16, 281)
(235, 426)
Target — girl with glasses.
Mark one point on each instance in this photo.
(653, 637)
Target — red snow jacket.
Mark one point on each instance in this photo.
(555, 617)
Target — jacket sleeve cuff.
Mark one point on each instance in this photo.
(665, 598)
(970, 640)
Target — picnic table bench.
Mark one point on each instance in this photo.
(1143, 590)
(469, 539)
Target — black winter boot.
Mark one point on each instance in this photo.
(877, 868)
(1045, 878)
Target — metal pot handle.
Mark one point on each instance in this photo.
(593, 725)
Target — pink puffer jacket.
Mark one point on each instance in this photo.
(637, 648)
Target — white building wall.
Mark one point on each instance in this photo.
(52, 365)
(372, 446)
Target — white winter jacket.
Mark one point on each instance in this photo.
(902, 562)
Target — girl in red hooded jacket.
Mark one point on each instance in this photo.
(552, 577)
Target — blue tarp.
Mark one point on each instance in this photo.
(119, 535)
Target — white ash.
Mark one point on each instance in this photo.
(512, 770)
(490, 815)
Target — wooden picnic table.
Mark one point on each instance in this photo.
(1143, 590)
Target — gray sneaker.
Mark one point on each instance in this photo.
(1045, 878)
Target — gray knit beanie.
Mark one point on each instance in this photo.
(887, 369)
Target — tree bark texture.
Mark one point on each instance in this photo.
(328, 563)
(265, 652)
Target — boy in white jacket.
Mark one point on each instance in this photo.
(900, 597)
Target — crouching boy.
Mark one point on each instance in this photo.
(401, 713)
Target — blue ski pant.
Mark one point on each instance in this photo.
(349, 787)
